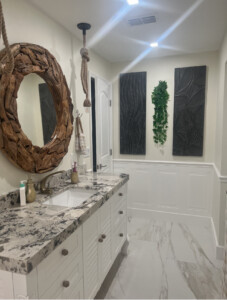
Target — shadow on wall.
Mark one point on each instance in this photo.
(10, 175)
(53, 50)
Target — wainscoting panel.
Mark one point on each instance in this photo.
(167, 186)
(173, 187)
(197, 192)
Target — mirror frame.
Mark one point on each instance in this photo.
(31, 58)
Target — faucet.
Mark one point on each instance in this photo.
(43, 188)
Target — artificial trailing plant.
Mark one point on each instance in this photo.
(160, 99)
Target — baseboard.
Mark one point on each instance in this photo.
(168, 216)
(219, 250)
(182, 218)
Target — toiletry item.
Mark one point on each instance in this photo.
(74, 174)
(22, 194)
(30, 191)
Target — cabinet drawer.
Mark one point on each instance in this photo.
(121, 195)
(119, 207)
(51, 267)
(118, 238)
(118, 213)
(76, 293)
(66, 281)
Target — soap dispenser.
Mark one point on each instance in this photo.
(30, 191)
(74, 175)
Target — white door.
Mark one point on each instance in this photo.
(104, 126)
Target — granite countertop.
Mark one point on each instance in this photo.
(29, 234)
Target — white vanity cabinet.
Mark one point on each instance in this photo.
(104, 233)
(60, 272)
(119, 220)
(77, 268)
(59, 276)
(96, 249)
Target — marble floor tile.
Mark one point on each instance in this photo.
(168, 260)
(149, 230)
(192, 244)
(140, 274)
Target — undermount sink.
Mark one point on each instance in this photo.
(70, 198)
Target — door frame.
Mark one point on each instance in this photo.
(96, 77)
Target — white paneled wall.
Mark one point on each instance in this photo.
(182, 188)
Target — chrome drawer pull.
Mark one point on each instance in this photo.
(121, 234)
(66, 283)
(100, 240)
(103, 236)
(65, 252)
(120, 194)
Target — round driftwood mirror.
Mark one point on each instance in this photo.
(30, 58)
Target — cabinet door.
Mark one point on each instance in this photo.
(118, 238)
(104, 247)
(90, 256)
(6, 285)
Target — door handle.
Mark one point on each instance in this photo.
(100, 166)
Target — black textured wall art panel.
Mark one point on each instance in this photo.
(189, 105)
(48, 112)
(133, 113)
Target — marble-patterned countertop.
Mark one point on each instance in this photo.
(29, 234)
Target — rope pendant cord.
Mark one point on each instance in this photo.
(84, 71)
(5, 68)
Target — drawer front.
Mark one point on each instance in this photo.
(90, 256)
(76, 293)
(121, 194)
(66, 283)
(118, 238)
(104, 241)
(50, 268)
(119, 207)
(118, 213)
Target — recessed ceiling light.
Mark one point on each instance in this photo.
(154, 45)
(133, 2)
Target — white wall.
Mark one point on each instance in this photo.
(25, 23)
(220, 179)
(221, 132)
(160, 163)
(163, 69)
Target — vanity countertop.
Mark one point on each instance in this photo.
(28, 234)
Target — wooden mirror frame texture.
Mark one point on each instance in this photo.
(31, 58)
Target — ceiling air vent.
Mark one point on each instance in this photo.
(142, 20)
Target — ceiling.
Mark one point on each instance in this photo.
(183, 26)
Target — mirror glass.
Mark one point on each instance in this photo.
(36, 111)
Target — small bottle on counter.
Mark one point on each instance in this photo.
(22, 194)
(30, 191)
(74, 174)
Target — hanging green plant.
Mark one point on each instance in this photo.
(160, 99)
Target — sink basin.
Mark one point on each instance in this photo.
(70, 198)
